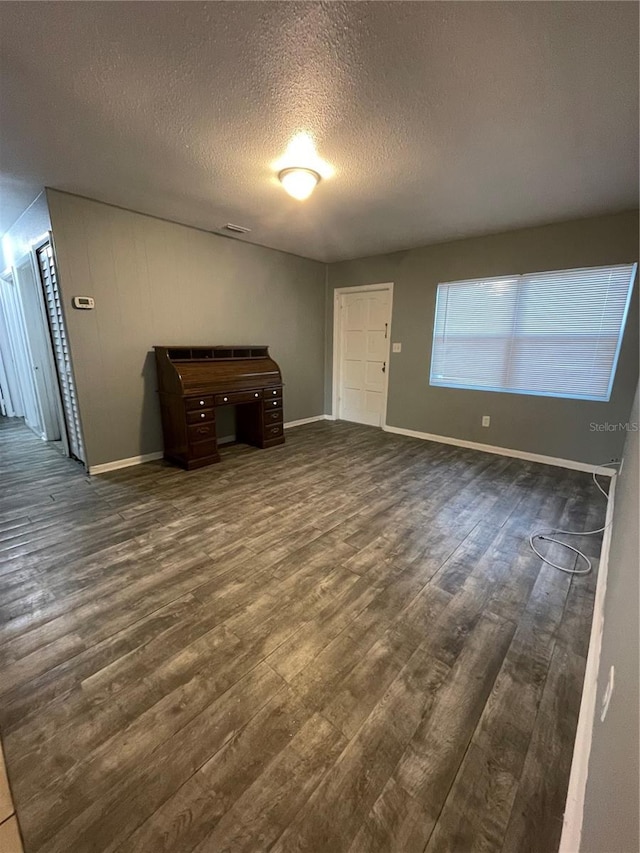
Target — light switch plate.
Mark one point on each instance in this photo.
(397, 348)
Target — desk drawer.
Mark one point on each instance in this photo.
(203, 448)
(200, 432)
(193, 403)
(272, 417)
(273, 431)
(272, 404)
(201, 417)
(237, 397)
(269, 393)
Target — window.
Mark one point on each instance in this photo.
(554, 334)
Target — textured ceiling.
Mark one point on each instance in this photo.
(440, 120)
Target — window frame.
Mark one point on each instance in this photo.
(434, 382)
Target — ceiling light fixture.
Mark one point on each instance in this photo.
(298, 181)
(300, 168)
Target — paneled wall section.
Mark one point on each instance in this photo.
(156, 282)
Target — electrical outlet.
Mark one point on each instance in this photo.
(486, 420)
(397, 348)
(616, 464)
(606, 697)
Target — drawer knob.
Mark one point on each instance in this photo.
(275, 403)
(274, 392)
(202, 402)
(202, 415)
(256, 394)
(225, 399)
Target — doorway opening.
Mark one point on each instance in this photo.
(361, 339)
(36, 378)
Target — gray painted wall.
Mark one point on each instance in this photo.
(546, 425)
(156, 282)
(611, 820)
(32, 224)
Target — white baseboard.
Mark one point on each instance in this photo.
(124, 463)
(425, 436)
(302, 421)
(574, 808)
(503, 451)
(149, 457)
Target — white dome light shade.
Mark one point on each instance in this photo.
(299, 182)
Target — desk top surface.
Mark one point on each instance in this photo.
(199, 370)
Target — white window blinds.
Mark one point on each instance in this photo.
(53, 304)
(555, 333)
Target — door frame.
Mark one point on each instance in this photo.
(27, 278)
(9, 369)
(48, 340)
(71, 420)
(19, 345)
(338, 295)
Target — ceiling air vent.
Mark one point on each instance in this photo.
(237, 229)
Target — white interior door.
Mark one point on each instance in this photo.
(37, 335)
(17, 343)
(364, 356)
(12, 405)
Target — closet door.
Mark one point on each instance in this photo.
(61, 352)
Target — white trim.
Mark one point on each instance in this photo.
(302, 421)
(503, 451)
(150, 457)
(125, 463)
(338, 293)
(574, 808)
(27, 277)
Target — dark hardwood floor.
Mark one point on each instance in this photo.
(340, 644)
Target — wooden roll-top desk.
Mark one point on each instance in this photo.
(193, 381)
